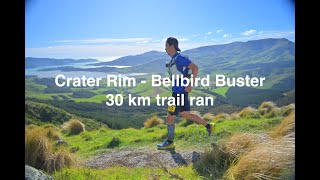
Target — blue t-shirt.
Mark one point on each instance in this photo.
(180, 67)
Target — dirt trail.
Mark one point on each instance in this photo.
(143, 158)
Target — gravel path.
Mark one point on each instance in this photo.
(143, 158)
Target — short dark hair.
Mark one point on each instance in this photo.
(173, 41)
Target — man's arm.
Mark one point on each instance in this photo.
(194, 69)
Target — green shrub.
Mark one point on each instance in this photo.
(255, 114)
(86, 136)
(274, 113)
(114, 143)
(286, 110)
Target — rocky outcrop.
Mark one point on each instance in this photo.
(34, 174)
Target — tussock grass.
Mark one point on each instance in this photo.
(220, 116)
(263, 111)
(264, 157)
(213, 162)
(276, 112)
(286, 128)
(58, 160)
(74, 127)
(268, 160)
(30, 126)
(255, 114)
(244, 142)
(286, 110)
(37, 147)
(246, 111)
(269, 105)
(40, 151)
(234, 116)
(208, 117)
(152, 122)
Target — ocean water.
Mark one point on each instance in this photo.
(54, 73)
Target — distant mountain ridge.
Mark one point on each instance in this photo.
(32, 62)
(271, 58)
(262, 55)
(136, 59)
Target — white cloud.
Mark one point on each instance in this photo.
(142, 42)
(182, 39)
(208, 33)
(219, 30)
(260, 32)
(249, 32)
(103, 40)
(226, 35)
(195, 35)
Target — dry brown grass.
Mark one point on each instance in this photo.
(261, 157)
(234, 116)
(220, 116)
(56, 161)
(152, 122)
(286, 128)
(268, 160)
(39, 149)
(213, 162)
(208, 117)
(244, 142)
(269, 105)
(246, 111)
(286, 110)
(74, 127)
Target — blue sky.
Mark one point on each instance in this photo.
(108, 29)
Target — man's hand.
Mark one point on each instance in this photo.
(188, 89)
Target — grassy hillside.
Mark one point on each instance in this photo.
(90, 102)
(41, 113)
(236, 138)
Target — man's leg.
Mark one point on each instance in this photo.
(193, 117)
(209, 127)
(168, 143)
(170, 126)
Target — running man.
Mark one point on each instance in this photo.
(180, 65)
